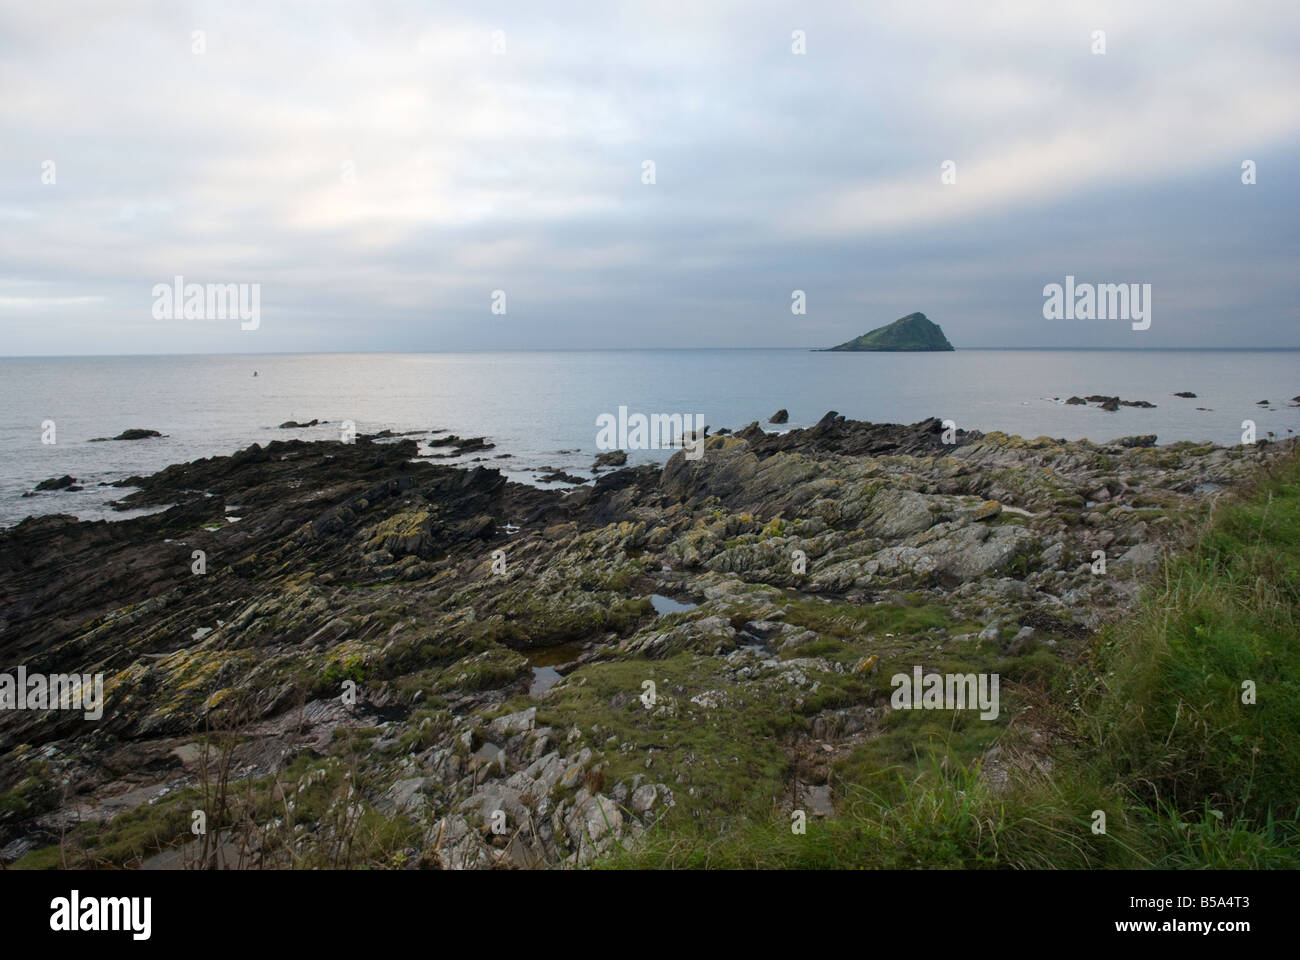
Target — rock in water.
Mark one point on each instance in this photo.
(612, 458)
(913, 332)
(135, 433)
(781, 416)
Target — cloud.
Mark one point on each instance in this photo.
(379, 170)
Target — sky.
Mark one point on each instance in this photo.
(380, 170)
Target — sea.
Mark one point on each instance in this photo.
(541, 409)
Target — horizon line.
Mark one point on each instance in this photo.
(329, 353)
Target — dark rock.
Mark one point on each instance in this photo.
(135, 433)
(461, 445)
(295, 425)
(559, 476)
(64, 482)
(1077, 401)
(781, 416)
(1145, 440)
(1185, 393)
(612, 458)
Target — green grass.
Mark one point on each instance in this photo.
(730, 757)
(1149, 727)
(1169, 712)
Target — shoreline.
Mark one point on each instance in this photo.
(812, 565)
(546, 476)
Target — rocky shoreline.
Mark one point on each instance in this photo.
(365, 630)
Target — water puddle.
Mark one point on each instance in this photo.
(664, 604)
(544, 661)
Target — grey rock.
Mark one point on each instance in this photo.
(644, 797)
(1142, 556)
(405, 796)
(514, 723)
(817, 800)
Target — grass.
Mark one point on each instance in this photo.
(1171, 707)
(730, 757)
(1179, 724)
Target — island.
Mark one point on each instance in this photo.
(915, 331)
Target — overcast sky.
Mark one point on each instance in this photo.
(379, 169)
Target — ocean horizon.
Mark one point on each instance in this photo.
(538, 409)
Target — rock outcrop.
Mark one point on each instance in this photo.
(365, 637)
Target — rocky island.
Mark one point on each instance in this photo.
(392, 662)
(913, 332)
